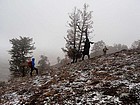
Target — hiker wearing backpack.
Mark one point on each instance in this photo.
(31, 64)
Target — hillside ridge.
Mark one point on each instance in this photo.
(113, 79)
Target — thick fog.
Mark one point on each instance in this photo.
(115, 21)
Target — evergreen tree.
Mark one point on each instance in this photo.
(58, 60)
(43, 63)
(21, 50)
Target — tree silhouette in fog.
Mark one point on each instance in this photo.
(44, 63)
(79, 21)
(97, 48)
(135, 44)
(21, 50)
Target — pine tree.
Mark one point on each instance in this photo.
(21, 50)
(43, 63)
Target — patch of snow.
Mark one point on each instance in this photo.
(133, 85)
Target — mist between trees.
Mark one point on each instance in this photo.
(80, 26)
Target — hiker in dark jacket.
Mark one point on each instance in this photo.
(86, 48)
(87, 45)
(105, 50)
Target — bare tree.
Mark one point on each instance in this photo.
(72, 38)
(80, 21)
(85, 24)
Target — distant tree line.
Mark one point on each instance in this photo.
(97, 48)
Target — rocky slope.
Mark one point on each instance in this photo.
(113, 79)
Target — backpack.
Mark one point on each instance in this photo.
(30, 63)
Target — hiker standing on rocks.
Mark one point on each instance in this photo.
(105, 50)
(31, 64)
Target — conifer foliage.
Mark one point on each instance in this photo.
(44, 63)
(21, 50)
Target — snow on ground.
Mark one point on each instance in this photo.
(113, 79)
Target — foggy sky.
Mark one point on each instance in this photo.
(115, 21)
